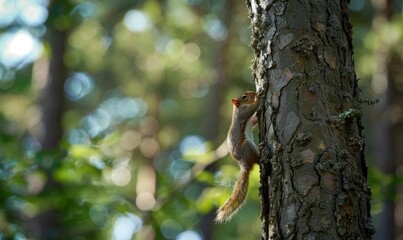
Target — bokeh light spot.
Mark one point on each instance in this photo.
(189, 235)
(125, 226)
(180, 171)
(78, 85)
(193, 144)
(215, 28)
(32, 13)
(19, 48)
(130, 140)
(85, 9)
(97, 122)
(149, 126)
(97, 162)
(121, 176)
(129, 107)
(137, 21)
(8, 12)
(145, 201)
(192, 52)
(78, 136)
(149, 147)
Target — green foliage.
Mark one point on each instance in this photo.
(383, 187)
(137, 159)
(133, 151)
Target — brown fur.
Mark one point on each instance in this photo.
(242, 149)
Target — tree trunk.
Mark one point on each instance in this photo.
(52, 99)
(313, 172)
(48, 225)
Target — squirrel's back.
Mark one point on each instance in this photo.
(242, 149)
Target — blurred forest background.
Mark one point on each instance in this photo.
(113, 114)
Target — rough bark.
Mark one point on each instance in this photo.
(314, 182)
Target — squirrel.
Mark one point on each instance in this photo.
(242, 149)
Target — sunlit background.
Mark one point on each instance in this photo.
(143, 88)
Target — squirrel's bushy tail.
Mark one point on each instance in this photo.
(237, 198)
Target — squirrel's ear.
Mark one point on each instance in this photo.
(235, 102)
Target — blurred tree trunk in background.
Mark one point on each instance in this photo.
(212, 121)
(48, 223)
(52, 97)
(388, 134)
(315, 185)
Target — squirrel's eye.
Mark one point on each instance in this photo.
(244, 97)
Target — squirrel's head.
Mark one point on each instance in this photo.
(246, 98)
